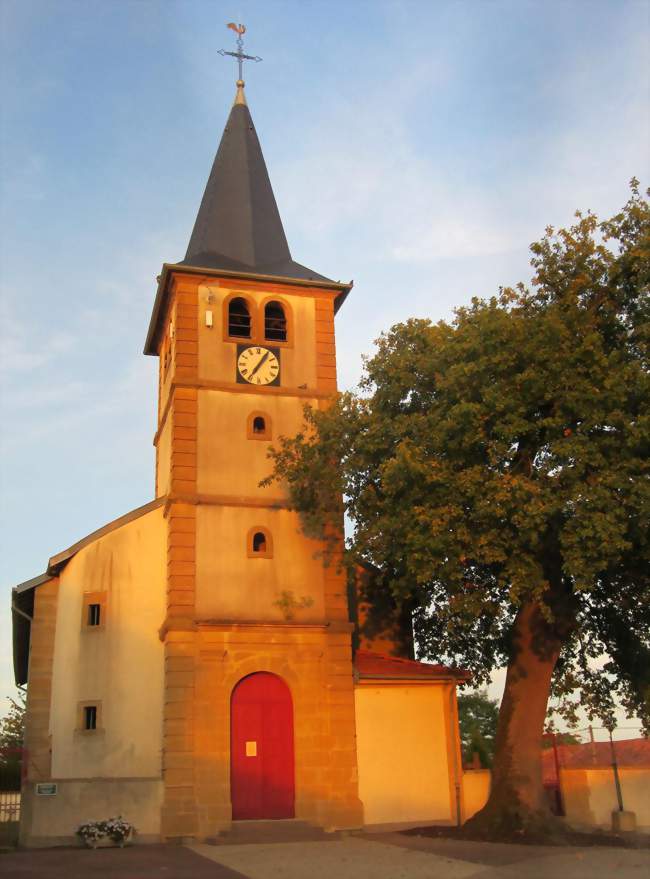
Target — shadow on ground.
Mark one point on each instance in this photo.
(133, 862)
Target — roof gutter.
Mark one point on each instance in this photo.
(163, 277)
(420, 679)
(31, 584)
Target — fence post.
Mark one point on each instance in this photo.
(558, 791)
(619, 795)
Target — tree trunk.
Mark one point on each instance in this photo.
(517, 805)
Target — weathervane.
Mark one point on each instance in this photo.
(240, 30)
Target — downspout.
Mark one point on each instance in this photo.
(453, 738)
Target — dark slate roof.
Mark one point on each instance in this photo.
(238, 227)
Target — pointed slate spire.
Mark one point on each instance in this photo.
(238, 227)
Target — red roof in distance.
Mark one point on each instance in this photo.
(631, 753)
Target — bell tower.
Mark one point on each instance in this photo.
(259, 701)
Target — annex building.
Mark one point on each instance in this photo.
(191, 663)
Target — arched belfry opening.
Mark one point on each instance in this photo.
(262, 774)
(239, 318)
(275, 322)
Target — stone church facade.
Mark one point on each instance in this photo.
(191, 664)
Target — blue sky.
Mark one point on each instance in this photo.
(415, 147)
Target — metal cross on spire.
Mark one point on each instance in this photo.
(240, 30)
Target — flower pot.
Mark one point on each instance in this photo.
(126, 840)
(102, 842)
(105, 834)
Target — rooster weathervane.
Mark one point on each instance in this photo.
(240, 30)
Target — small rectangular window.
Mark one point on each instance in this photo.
(93, 611)
(90, 717)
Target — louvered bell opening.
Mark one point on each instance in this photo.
(275, 323)
(239, 319)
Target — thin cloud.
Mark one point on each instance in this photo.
(21, 352)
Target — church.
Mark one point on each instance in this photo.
(195, 663)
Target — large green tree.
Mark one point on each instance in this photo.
(478, 716)
(495, 470)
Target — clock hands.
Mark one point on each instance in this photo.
(263, 370)
(263, 360)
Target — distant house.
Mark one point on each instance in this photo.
(596, 755)
(586, 780)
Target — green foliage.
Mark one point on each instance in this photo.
(477, 718)
(289, 604)
(502, 459)
(12, 730)
(559, 739)
(12, 725)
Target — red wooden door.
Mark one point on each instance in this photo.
(261, 748)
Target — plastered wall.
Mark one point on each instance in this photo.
(404, 774)
(476, 790)
(120, 664)
(230, 585)
(228, 461)
(53, 820)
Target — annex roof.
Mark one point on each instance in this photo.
(380, 666)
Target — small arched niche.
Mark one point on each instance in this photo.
(239, 318)
(275, 322)
(259, 543)
(258, 426)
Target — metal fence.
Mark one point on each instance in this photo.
(9, 817)
(9, 806)
(11, 764)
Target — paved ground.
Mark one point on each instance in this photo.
(505, 861)
(395, 856)
(389, 856)
(133, 862)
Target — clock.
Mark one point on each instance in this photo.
(257, 365)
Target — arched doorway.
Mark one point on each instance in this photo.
(261, 748)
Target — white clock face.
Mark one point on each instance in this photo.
(258, 366)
